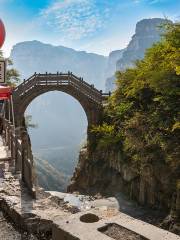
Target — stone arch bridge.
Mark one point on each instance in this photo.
(14, 129)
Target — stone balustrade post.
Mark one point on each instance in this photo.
(28, 173)
(4, 128)
(18, 150)
(178, 203)
(9, 135)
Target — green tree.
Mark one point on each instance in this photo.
(12, 79)
(12, 75)
(29, 123)
(144, 109)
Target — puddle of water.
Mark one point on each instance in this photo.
(78, 201)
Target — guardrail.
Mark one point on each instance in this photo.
(13, 142)
(18, 143)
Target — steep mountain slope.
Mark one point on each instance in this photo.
(147, 32)
(111, 67)
(49, 177)
(113, 57)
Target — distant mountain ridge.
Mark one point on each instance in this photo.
(114, 56)
(35, 56)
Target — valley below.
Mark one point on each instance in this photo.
(55, 167)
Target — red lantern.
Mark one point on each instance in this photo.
(2, 33)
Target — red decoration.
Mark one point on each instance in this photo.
(5, 92)
(2, 33)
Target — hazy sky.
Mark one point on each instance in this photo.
(93, 25)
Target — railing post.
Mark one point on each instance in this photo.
(4, 129)
(12, 147)
(28, 175)
(8, 135)
(17, 152)
(68, 78)
(11, 138)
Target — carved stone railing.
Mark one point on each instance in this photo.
(18, 143)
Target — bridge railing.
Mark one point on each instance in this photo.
(85, 84)
(66, 79)
(90, 86)
(20, 89)
(13, 142)
(60, 79)
(88, 90)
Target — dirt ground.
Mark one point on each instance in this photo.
(8, 231)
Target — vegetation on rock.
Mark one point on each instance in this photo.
(135, 149)
(141, 122)
(142, 116)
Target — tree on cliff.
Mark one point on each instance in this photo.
(142, 114)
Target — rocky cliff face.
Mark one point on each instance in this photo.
(111, 67)
(147, 32)
(105, 172)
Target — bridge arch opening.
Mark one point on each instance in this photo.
(18, 139)
(60, 129)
